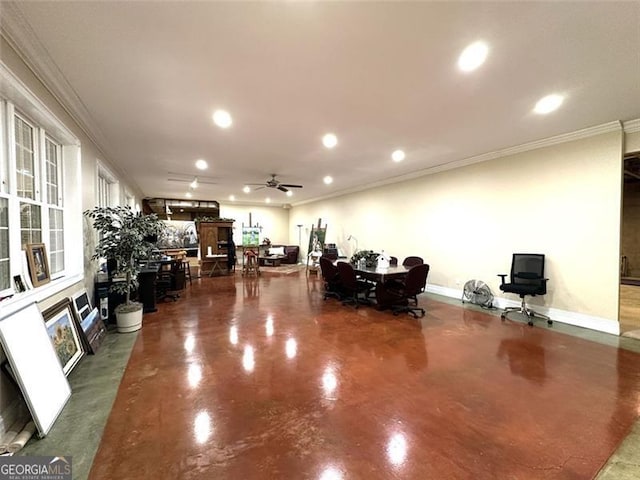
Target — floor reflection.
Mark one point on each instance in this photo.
(525, 355)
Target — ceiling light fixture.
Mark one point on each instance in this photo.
(327, 180)
(194, 184)
(548, 104)
(222, 118)
(188, 195)
(329, 140)
(473, 56)
(246, 189)
(289, 193)
(232, 198)
(201, 164)
(397, 156)
(268, 200)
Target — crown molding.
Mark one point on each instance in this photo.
(631, 126)
(17, 31)
(609, 127)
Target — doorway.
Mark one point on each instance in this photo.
(630, 247)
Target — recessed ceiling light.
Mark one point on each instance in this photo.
(222, 118)
(232, 197)
(268, 200)
(473, 56)
(397, 156)
(548, 104)
(246, 189)
(289, 193)
(201, 164)
(327, 180)
(329, 140)
(188, 195)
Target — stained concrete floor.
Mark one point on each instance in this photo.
(95, 381)
(94, 384)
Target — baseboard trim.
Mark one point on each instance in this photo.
(600, 324)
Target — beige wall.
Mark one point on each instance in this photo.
(563, 201)
(273, 220)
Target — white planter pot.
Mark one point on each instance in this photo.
(129, 321)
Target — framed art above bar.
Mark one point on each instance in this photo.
(38, 264)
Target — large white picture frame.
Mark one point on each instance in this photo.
(35, 366)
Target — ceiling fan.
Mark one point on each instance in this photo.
(273, 183)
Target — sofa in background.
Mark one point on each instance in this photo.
(288, 253)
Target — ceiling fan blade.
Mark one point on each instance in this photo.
(258, 188)
(255, 184)
(281, 188)
(290, 186)
(203, 182)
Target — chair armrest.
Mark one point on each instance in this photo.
(502, 277)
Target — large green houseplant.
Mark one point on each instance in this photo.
(124, 237)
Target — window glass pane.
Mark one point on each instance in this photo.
(30, 224)
(51, 161)
(4, 244)
(25, 161)
(56, 240)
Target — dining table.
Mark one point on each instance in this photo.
(381, 275)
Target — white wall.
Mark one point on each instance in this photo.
(563, 201)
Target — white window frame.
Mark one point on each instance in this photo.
(107, 187)
(17, 100)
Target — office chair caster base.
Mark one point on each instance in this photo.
(524, 310)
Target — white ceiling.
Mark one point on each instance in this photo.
(145, 77)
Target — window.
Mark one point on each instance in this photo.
(31, 195)
(4, 245)
(54, 202)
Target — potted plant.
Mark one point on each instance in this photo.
(124, 238)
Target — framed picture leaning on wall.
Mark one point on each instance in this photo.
(38, 264)
(63, 333)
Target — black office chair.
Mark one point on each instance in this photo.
(397, 294)
(170, 280)
(331, 276)
(412, 261)
(352, 286)
(393, 261)
(526, 278)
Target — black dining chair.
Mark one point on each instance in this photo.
(412, 261)
(331, 277)
(396, 294)
(352, 286)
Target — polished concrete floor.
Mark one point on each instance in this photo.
(247, 378)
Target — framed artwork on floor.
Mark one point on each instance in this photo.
(91, 326)
(38, 264)
(63, 333)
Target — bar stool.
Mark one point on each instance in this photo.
(187, 270)
(250, 263)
